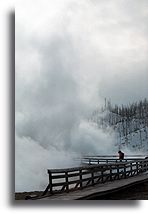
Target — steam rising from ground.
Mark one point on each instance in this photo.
(63, 52)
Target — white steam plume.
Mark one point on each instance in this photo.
(64, 49)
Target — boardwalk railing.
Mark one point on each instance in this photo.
(65, 180)
(99, 160)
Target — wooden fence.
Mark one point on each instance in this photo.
(99, 160)
(70, 179)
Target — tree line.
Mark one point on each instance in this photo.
(124, 119)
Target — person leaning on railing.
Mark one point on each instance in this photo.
(121, 155)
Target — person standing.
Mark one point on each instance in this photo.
(121, 155)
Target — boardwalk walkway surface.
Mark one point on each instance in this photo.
(100, 189)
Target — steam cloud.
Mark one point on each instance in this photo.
(65, 52)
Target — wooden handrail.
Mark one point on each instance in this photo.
(70, 179)
(111, 156)
(93, 160)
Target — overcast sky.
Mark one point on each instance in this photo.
(70, 55)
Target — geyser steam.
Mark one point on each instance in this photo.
(59, 60)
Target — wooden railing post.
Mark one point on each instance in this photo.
(81, 184)
(124, 171)
(140, 166)
(146, 165)
(102, 174)
(110, 173)
(50, 182)
(89, 160)
(66, 179)
(92, 177)
(137, 167)
(131, 169)
(118, 173)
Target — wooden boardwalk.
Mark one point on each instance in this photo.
(99, 190)
(95, 177)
